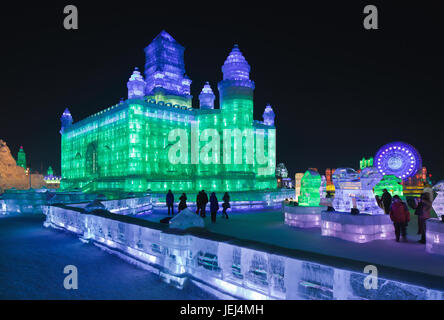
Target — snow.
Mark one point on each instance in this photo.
(33, 258)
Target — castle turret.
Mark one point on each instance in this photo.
(66, 120)
(165, 67)
(206, 97)
(136, 85)
(21, 158)
(236, 89)
(268, 116)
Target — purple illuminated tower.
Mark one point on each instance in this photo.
(206, 97)
(136, 85)
(66, 120)
(268, 116)
(165, 69)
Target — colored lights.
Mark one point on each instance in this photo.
(310, 188)
(399, 159)
(390, 182)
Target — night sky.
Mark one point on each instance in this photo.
(339, 91)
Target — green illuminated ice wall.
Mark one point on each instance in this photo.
(390, 182)
(310, 189)
(127, 147)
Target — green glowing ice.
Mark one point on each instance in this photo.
(310, 184)
(391, 183)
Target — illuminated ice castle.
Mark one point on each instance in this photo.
(130, 146)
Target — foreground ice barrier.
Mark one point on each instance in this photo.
(435, 236)
(302, 217)
(231, 267)
(357, 228)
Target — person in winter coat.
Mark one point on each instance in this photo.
(182, 202)
(170, 202)
(423, 212)
(199, 202)
(386, 200)
(400, 215)
(204, 202)
(225, 205)
(214, 207)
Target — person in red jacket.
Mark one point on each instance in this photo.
(400, 215)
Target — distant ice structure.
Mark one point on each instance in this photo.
(435, 227)
(353, 189)
(438, 203)
(390, 182)
(307, 214)
(310, 189)
(186, 219)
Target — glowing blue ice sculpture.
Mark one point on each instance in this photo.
(136, 85)
(438, 203)
(165, 67)
(66, 120)
(354, 190)
(206, 97)
(268, 116)
(435, 227)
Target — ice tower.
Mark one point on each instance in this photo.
(21, 158)
(206, 97)
(136, 85)
(66, 120)
(165, 71)
(236, 90)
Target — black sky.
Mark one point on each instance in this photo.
(339, 91)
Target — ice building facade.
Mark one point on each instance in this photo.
(129, 146)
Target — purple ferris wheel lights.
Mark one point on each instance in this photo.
(398, 158)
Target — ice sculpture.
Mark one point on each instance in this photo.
(390, 182)
(126, 147)
(21, 158)
(268, 116)
(310, 188)
(297, 184)
(186, 219)
(354, 190)
(438, 203)
(206, 97)
(136, 85)
(165, 67)
(435, 227)
(307, 213)
(399, 159)
(66, 120)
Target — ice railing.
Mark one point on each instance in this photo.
(229, 265)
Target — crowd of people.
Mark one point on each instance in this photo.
(400, 215)
(201, 204)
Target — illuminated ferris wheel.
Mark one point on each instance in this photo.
(399, 159)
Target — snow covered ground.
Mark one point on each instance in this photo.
(32, 259)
